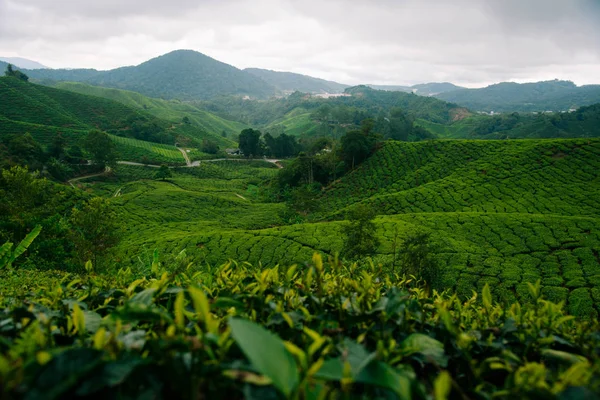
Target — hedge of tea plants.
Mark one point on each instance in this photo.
(510, 176)
(329, 330)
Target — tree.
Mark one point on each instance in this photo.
(360, 233)
(186, 120)
(163, 173)
(101, 148)
(416, 257)
(250, 143)
(358, 145)
(210, 147)
(26, 151)
(57, 147)
(15, 73)
(96, 229)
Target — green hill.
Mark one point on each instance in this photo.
(360, 102)
(44, 111)
(181, 74)
(539, 96)
(422, 89)
(584, 122)
(499, 212)
(291, 82)
(171, 110)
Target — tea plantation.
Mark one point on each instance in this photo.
(327, 330)
(506, 213)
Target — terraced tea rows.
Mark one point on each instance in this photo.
(501, 212)
(138, 150)
(525, 176)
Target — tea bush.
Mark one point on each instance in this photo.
(329, 330)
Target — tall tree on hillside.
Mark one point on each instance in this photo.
(15, 73)
(358, 145)
(96, 229)
(24, 150)
(250, 143)
(57, 147)
(163, 173)
(101, 148)
(360, 233)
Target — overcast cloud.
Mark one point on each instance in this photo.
(468, 42)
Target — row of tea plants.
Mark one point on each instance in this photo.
(317, 331)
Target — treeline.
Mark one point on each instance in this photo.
(583, 122)
(362, 103)
(59, 160)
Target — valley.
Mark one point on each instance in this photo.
(183, 205)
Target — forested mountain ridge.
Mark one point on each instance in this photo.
(583, 122)
(181, 74)
(422, 89)
(291, 82)
(20, 62)
(553, 95)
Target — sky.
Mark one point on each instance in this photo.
(468, 42)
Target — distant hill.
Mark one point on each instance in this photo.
(423, 89)
(171, 110)
(44, 111)
(553, 95)
(181, 74)
(22, 62)
(291, 82)
(582, 123)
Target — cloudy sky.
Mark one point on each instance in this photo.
(468, 42)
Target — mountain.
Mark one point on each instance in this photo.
(433, 88)
(23, 63)
(181, 74)
(291, 82)
(423, 89)
(553, 95)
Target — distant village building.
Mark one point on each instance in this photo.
(233, 152)
(330, 95)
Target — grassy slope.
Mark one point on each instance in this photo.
(502, 212)
(45, 111)
(296, 123)
(169, 110)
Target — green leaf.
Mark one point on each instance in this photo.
(442, 386)
(380, 374)
(25, 243)
(93, 320)
(486, 296)
(562, 357)
(179, 310)
(331, 370)
(5, 254)
(7, 258)
(78, 319)
(358, 357)
(63, 373)
(145, 297)
(429, 347)
(267, 354)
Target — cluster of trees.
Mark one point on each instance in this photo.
(253, 143)
(59, 160)
(75, 228)
(11, 72)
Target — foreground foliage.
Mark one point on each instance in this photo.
(324, 331)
